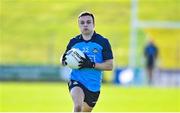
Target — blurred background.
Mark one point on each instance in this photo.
(34, 34)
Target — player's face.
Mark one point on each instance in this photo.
(86, 25)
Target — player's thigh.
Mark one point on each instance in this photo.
(86, 107)
(77, 95)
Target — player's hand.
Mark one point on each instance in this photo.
(64, 63)
(86, 63)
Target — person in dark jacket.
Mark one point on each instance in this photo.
(151, 53)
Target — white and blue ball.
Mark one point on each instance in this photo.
(73, 57)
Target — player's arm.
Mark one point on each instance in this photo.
(107, 58)
(107, 65)
(63, 57)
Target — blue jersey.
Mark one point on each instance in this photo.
(151, 52)
(98, 49)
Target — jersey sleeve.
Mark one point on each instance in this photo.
(70, 44)
(107, 51)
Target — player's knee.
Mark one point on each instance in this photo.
(77, 108)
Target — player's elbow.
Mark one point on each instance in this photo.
(109, 67)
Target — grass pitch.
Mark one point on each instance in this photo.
(55, 97)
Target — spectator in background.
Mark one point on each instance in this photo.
(151, 53)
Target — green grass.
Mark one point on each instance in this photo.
(51, 97)
(29, 28)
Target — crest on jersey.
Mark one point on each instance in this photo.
(95, 50)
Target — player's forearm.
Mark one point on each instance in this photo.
(107, 65)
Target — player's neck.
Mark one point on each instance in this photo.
(88, 37)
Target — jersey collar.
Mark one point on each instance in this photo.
(92, 38)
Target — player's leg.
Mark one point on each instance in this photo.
(77, 95)
(149, 75)
(86, 107)
(150, 71)
(90, 100)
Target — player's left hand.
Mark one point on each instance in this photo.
(86, 63)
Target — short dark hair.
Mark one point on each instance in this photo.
(86, 13)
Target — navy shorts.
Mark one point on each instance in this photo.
(150, 64)
(90, 97)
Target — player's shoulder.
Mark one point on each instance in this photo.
(101, 39)
(75, 39)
